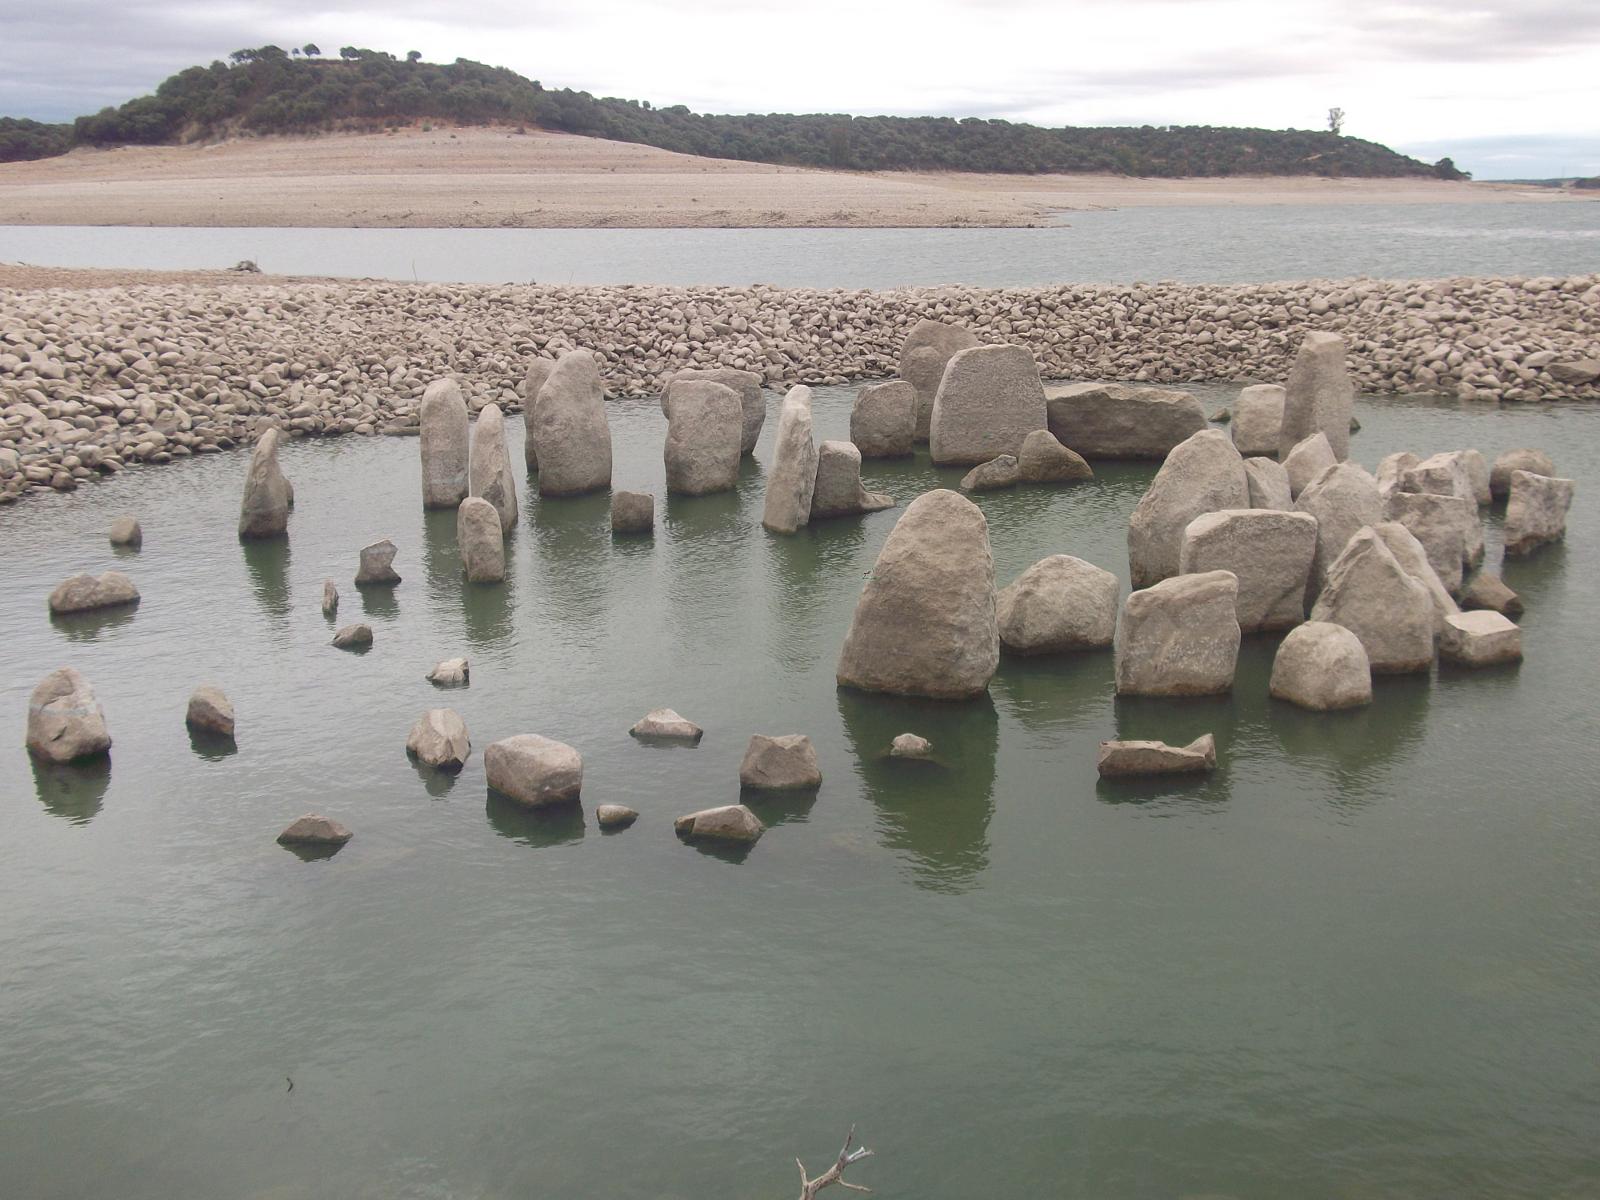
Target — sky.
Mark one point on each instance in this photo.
(1507, 88)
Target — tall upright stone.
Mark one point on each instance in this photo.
(445, 444)
(532, 384)
(792, 478)
(928, 349)
(480, 541)
(1204, 473)
(989, 400)
(1179, 637)
(1257, 419)
(1319, 395)
(490, 475)
(925, 624)
(264, 511)
(746, 385)
(1372, 595)
(883, 420)
(573, 434)
(704, 423)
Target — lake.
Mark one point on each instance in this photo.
(1246, 244)
(1359, 960)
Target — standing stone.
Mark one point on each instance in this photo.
(377, 565)
(65, 721)
(927, 352)
(532, 384)
(574, 436)
(746, 385)
(480, 541)
(1536, 512)
(1392, 469)
(838, 492)
(1447, 526)
(633, 512)
(1121, 760)
(730, 823)
(1413, 560)
(1535, 462)
(1201, 475)
(989, 400)
(210, 711)
(780, 763)
(264, 512)
(1179, 637)
(1113, 420)
(86, 593)
(1371, 595)
(1323, 667)
(1477, 469)
(444, 442)
(1043, 459)
(883, 420)
(1343, 499)
(925, 623)
(1001, 472)
(1319, 395)
(703, 430)
(1308, 458)
(1270, 553)
(490, 475)
(330, 599)
(1269, 484)
(534, 771)
(1480, 639)
(1058, 605)
(125, 532)
(439, 739)
(1258, 419)
(792, 478)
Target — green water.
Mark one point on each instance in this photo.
(1361, 960)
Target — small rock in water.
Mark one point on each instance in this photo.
(780, 763)
(377, 567)
(730, 823)
(1480, 639)
(65, 721)
(449, 673)
(666, 725)
(330, 599)
(615, 816)
(533, 770)
(1001, 472)
(1119, 759)
(1043, 459)
(439, 738)
(125, 531)
(210, 711)
(1490, 592)
(909, 745)
(353, 637)
(1322, 666)
(312, 830)
(633, 512)
(1220, 417)
(84, 593)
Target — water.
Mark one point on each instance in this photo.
(1360, 960)
(1200, 245)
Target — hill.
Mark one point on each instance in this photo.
(268, 90)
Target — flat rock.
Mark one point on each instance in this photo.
(928, 350)
(1118, 759)
(1480, 639)
(573, 434)
(664, 724)
(1058, 605)
(1201, 475)
(1179, 637)
(792, 478)
(1270, 554)
(1535, 462)
(883, 419)
(730, 823)
(264, 510)
(997, 473)
(1490, 593)
(85, 593)
(377, 565)
(1323, 667)
(444, 444)
(65, 721)
(1269, 484)
(1043, 459)
(312, 830)
(633, 512)
(704, 427)
(989, 400)
(1257, 419)
(1536, 512)
(1307, 459)
(1371, 595)
(838, 491)
(210, 711)
(481, 541)
(534, 771)
(1318, 395)
(1113, 420)
(490, 476)
(780, 763)
(353, 637)
(615, 816)
(439, 739)
(450, 673)
(909, 745)
(126, 532)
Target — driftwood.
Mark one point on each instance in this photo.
(834, 1174)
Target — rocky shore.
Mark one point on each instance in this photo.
(92, 380)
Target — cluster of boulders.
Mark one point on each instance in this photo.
(94, 379)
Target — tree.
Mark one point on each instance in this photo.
(1335, 121)
(413, 56)
(310, 50)
(349, 53)
(1446, 168)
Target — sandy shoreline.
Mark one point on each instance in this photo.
(496, 178)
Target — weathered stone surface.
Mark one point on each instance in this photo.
(927, 351)
(1269, 552)
(481, 541)
(1043, 459)
(663, 724)
(533, 382)
(1536, 512)
(439, 739)
(989, 400)
(330, 598)
(84, 593)
(376, 568)
(883, 419)
(1120, 759)
(1392, 469)
(1447, 526)
(1322, 666)
(1413, 559)
(1490, 592)
(1113, 420)
(997, 473)
(1269, 484)
(313, 830)
(1318, 395)
(573, 435)
(1535, 462)
(633, 512)
(1307, 459)
(746, 385)
(444, 444)
(909, 745)
(925, 623)
(1371, 595)
(1058, 605)
(1343, 499)
(1480, 639)
(704, 425)
(1477, 469)
(450, 673)
(65, 721)
(838, 491)
(125, 532)
(1578, 371)
(1257, 419)
(615, 816)
(1201, 475)
(792, 478)
(1439, 475)
(1179, 637)
(210, 711)
(533, 770)
(490, 476)
(730, 823)
(264, 511)
(353, 637)
(780, 763)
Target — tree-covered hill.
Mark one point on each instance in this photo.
(269, 90)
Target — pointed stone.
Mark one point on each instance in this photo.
(792, 478)
(1371, 595)
(439, 739)
(1201, 475)
(730, 823)
(490, 475)
(264, 511)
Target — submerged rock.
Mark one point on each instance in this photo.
(1203, 474)
(533, 770)
(1121, 759)
(1490, 592)
(615, 816)
(730, 823)
(439, 739)
(481, 541)
(330, 598)
(792, 478)
(210, 711)
(353, 637)
(909, 745)
(490, 475)
(264, 511)
(927, 351)
(1318, 395)
(125, 532)
(666, 725)
(883, 420)
(1058, 605)
(85, 593)
(780, 763)
(1322, 666)
(65, 721)
(444, 444)
(633, 512)
(377, 565)
(1179, 637)
(449, 673)
(989, 400)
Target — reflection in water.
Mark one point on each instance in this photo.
(313, 851)
(441, 560)
(267, 561)
(436, 782)
(488, 610)
(1539, 577)
(938, 814)
(1055, 692)
(572, 541)
(779, 808)
(728, 852)
(72, 791)
(1358, 744)
(89, 626)
(212, 746)
(549, 825)
(380, 599)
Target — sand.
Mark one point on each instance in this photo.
(488, 177)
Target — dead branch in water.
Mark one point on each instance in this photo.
(834, 1174)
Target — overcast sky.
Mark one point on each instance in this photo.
(1507, 87)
